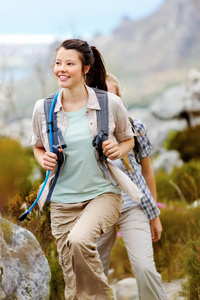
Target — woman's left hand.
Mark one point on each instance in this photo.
(156, 229)
(111, 149)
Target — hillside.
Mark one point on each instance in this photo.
(147, 55)
(155, 52)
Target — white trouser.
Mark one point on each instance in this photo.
(135, 230)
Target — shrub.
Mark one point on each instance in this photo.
(16, 167)
(180, 224)
(192, 264)
(186, 142)
(182, 183)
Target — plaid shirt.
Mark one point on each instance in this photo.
(147, 202)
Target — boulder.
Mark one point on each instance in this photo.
(167, 161)
(126, 289)
(24, 269)
(171, 104)
(158, 129)
(180, 101)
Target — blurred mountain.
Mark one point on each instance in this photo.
(153, 53)
(148, 56)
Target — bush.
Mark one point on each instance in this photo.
(192, 263)
(182, 183)
(16, 167)
(180, 224)
(186, 142)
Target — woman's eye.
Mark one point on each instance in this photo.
(57, 62)
(70, 64)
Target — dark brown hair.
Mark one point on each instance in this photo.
(96, 77)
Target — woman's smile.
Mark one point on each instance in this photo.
(63, 77)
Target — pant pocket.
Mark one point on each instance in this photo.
(115, 208)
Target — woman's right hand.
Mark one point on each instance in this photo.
(49, 161)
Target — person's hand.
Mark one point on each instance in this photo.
(156, 229)
(49, 161)
(111, 149)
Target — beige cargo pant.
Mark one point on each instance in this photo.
(76, 228)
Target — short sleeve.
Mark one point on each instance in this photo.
(118, 112)
(36, 136)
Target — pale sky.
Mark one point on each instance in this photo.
(80, 18)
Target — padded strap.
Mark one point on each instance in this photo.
(103, 121)
(103, 124)
(58, 140)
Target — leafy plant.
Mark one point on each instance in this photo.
(182, 183)
(191, 288)
(187, 142)
(16, 167)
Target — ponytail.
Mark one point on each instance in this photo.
(96, 77)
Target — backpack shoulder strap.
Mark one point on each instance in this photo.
(103, 114)
(136, 144)
(103, 121)
(58, 140)
(103, 124)
(47, 107)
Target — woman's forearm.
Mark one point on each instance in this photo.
(46, 159)
(39, 154)
(126, 146)
(148, 174)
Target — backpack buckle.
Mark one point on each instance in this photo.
(58, 150)
(97, 143)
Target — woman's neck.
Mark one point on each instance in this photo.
(74, 99)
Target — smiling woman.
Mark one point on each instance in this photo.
(84, 202)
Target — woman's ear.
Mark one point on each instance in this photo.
(86, 69)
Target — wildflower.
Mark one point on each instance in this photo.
(119, 234)
(161, 205)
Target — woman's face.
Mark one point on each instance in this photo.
(68, 68)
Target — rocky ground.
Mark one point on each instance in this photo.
(126, 289)
(173, 288)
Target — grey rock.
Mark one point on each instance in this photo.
(26, 272)
(175, 110)
(180, 101)
(158, 129)
(167, 161)
(170, 104)
(126, 289)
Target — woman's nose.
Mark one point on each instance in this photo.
(63, 69)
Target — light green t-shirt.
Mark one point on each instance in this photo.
(81, 178)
